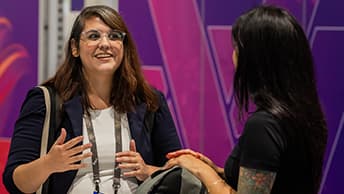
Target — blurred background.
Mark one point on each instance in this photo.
(185, 47)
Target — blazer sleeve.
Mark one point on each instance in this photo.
(165, 138)
(26, 138)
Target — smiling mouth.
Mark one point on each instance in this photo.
(103, 55)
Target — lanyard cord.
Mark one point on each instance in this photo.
(95, 162)
(118, 136)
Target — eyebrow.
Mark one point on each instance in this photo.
(96, 30)
(92, 30)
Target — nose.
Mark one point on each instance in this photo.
(104, 42)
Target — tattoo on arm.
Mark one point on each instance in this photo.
(254, 181)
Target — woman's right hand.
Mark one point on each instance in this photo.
(60, 158)
(64, 156)
(198, 155)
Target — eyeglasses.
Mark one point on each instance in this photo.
(93, 37)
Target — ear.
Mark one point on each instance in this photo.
(235, 58)
(74, 48)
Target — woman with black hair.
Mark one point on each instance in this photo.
(283, 142)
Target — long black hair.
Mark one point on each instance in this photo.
(275, 71)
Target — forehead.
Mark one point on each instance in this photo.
(95, 23)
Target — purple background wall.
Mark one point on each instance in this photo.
(186, 50)
(18, 64)
(185, 46)
(18, 57)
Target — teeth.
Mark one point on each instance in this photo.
(103, 55)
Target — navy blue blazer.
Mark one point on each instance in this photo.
(26, 140)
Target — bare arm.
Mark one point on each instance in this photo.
(213, 182)
(61, 157)
(253, 181)
(36, 172)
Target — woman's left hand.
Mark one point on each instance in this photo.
(133, 164)
(188, 161)
(203, 171)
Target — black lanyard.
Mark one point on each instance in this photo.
(95, 162)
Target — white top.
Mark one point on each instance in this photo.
(103, 124)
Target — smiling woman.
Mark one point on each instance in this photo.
(105, 103)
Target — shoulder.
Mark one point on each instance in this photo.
(160, 96)
(34, 98)
(262, 142)
(263, 126)
(157, 92)
(261, 120)
(35, 91)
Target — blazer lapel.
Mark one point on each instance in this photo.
(74, 112)
(135, 120)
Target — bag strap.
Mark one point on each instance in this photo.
(46, 125)
(51, 122)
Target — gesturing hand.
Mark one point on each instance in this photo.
(63, 156)
(132, 162)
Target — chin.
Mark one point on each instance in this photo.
(108, 70)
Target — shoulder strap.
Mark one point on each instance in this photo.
(51, 122)
(46, 125)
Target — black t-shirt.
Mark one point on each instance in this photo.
(263, 145)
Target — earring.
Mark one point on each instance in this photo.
(75, 52)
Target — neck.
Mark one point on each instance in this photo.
(99, 91)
